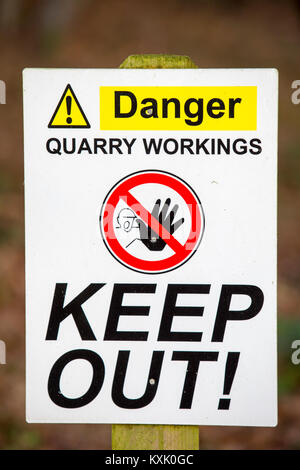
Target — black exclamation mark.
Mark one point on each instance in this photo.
(230, 370)
(69, 106)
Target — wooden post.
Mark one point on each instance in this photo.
(158, 61)
(155, 437)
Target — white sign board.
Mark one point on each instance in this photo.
(150, 206)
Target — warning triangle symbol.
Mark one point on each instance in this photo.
(68, 112)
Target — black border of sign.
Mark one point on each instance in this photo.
(50, 126)
(148, 171)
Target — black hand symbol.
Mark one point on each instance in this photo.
(150, 238)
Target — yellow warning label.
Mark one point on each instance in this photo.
(210, 108)
(68, 112)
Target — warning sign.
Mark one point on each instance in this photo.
(151, 246)
(68, 112)
(152, 222)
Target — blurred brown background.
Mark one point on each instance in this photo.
(102, 33)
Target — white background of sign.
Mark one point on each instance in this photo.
(63, 199)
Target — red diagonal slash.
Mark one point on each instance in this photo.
(152, 222)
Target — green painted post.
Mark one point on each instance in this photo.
(155, 437)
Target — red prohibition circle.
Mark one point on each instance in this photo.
(181, 252)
